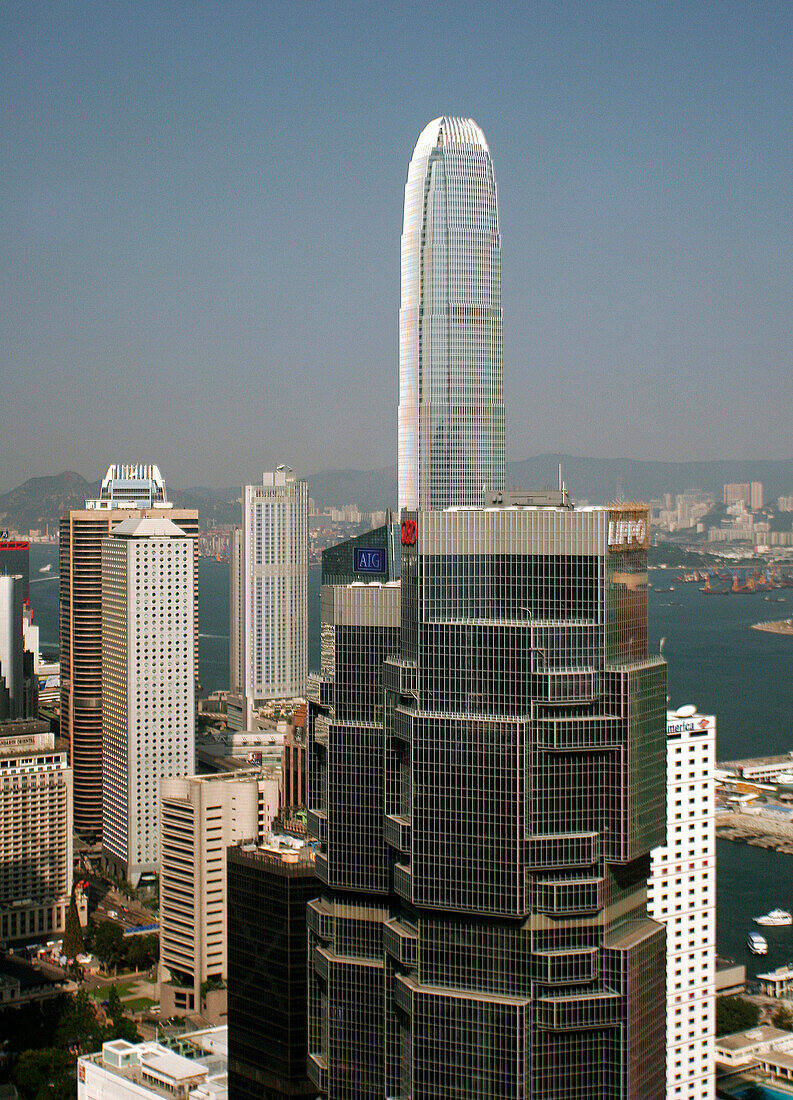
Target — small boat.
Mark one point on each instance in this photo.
(774, 918)
(757, 944)
(45, 568)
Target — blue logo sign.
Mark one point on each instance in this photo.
(369, 559)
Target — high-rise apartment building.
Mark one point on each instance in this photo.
(269, 596)
(482, 924)
(126, 490)
(268, 888)
(682, 895)
(750, 492)
(148, 683)
(451, 402)
(35, 832)
(200, 816)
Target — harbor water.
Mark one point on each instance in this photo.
(715, 660)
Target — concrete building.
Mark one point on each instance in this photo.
(451, 400)
(681, 894)
(194, 1067)
(293, 765)
(743, 1048)
(200, 816)
(35, 832)
(148, 683)
(269, 596)
(750, 492)
(126, 490)
(268, 888)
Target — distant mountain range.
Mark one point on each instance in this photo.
(40, 502)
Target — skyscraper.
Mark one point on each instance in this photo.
(269, 596)
(148, 685)
(268, 887)
(451, 402)
(126, 490)
(487, 934)
(12, 664)
(200, 816)
(36, 841)
(682, 895)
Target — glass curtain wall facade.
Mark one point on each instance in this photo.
(510, 953)
(451, 402)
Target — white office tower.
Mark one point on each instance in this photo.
(682, 895)
(12, 702)
(451, 401)
(148, 689)
(269, 596)
(200, 816)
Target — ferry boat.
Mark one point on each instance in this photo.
(774, 918)
(757, 944)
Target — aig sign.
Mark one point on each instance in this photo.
(369, 559)
(409, 532)
(628, 531)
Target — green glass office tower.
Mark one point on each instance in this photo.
(495, 940)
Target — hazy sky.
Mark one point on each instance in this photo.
(202, 204)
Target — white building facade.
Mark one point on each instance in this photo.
(451, 401)
(148, 687)
(200, 816)
(682, 895)
(269, 596)
(36, 841)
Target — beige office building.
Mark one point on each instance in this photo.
(200, 816)
(35, 832)
(126, 490)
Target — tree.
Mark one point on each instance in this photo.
(783, 1018)
(109, 943)
(735, 1014)
(46, 1073)
(115, 1009)
(79, 1026)
(73, 935)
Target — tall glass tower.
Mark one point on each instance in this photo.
(451, 401)
(485, 800)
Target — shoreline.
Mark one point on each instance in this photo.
(778, 626)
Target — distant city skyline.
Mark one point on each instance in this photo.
(203, 208)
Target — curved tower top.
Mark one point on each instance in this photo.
(451, 404)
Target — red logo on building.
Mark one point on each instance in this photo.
(410, 532)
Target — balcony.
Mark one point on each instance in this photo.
(590, 732)
(321, 963)
(396, 832)
(321, 866)
(399, 676)
(568, 685)
(403, 881)
(317, 1070)
(401, 942)
(578, 1011)
(549, 850)
(567, 897)
(566, 966)
(317, 825)
(319, 919)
